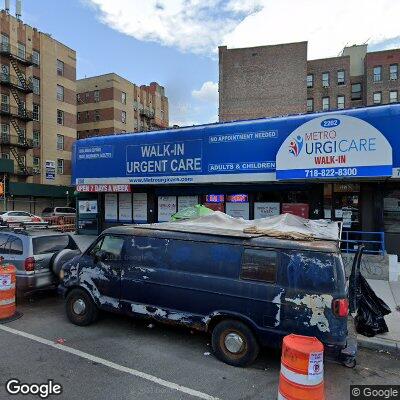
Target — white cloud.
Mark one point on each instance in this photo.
(199, 26)
(328, 25)
(207, 93)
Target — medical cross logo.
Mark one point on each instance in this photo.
(296, 145)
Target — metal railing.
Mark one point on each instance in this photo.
(19, 54)
(19, 112)
(15, 140)
(374, 242)
(9, 79)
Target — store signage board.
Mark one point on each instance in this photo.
(336, 147)
(50, 169)
(103, 188)
(238, 210)
(187, 201)
(264, 210)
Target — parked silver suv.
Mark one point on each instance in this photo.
(33, 252)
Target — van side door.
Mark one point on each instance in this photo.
(100, 270)
(261, 288)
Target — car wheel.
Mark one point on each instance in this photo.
(81, 309)
(234, 343)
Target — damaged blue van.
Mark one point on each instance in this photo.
(248, 291)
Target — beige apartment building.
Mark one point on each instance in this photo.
(268, 81)
(37, 116)
(109, 104)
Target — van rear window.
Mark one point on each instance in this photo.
(259, 265)
(49, 244)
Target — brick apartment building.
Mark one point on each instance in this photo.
(111, 104)
(277, 80)
(37, 115)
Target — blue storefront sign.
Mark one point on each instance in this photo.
(336, 145)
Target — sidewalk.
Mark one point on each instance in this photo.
(389, 292)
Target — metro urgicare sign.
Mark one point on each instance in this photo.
(339, 147)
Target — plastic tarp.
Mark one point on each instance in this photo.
(284, 226)
(191, 212)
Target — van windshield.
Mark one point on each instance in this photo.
(49, 244)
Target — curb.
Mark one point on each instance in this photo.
(390, 346)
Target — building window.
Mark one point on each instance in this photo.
(378, 74)
(60, 117)
(36, 85)
(393, 96)
(5, 132)
(87, 115)
(356, 91)
(394, 72)
(325, 79)
(60, 68)
(340, 102)
(123, 117)
(36, 164)
(36, 112)
(87, 95)
(36, 57)
(377, 98)
(36, 139)
(310, 105)
(78, 116)
(341, 77)
(21, 51)
(97, 115)
(5, 103)
(325, 103)
(60, 166)
(310, 80)
(60, 142)
(5, 155)
(123, 97)
(96, 96)
(60, 93)
(78, 98)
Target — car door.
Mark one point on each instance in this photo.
(100, 270)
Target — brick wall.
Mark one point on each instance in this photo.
(262, 81)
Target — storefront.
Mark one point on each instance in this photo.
(343, 166)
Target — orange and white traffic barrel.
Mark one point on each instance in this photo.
(7, 291)
(302, 369)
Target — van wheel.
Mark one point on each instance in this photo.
(81, 309)
(234, 343)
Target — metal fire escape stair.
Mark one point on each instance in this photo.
(22, 112)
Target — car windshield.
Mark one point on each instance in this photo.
(49, 244)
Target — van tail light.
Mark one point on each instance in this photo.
(29, 264)
(340, 307)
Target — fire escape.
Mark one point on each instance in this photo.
(18, 85)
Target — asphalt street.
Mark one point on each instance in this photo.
(123, 358)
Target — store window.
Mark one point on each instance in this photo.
(346, 204)
(391, 211)
(167, 206)
(215, 202)
(237, 205)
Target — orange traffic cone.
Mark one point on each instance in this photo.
(7, 292)
(302, 369)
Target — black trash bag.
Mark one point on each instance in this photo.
(369, 320)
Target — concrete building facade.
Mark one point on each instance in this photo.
(108, 104)
(278, 80)
(38, 115)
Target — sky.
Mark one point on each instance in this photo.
(175, 42)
